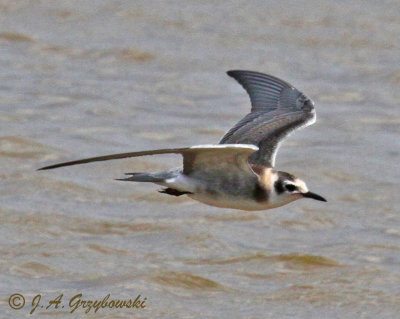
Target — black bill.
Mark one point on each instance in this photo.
(314, 196)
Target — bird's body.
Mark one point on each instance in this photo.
(247, 190)
(239, 171)
(232, 192)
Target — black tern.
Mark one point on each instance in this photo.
(239, 171)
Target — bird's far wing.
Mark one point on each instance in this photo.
(199, 159)
(277, 110)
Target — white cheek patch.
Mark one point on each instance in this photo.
(274, 178)
(301, 185)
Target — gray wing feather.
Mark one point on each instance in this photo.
(203, 159)
(116, 156)
(264, 90)
(277, 110)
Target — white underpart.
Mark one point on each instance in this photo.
(188, 184)
(182, 183)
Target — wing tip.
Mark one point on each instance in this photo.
(232, 73)
(45, 168)
(237, 73)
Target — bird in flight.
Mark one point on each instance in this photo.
(238, 172)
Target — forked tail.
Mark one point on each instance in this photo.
(158, 177)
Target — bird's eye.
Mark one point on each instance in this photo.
(290, 187)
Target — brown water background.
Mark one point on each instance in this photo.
(87, 78)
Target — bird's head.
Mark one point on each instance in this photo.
(289, 188)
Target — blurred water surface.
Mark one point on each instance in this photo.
(87, 78)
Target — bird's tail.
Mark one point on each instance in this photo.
(141, 177)
(158, 177)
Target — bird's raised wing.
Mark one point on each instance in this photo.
(277, 109)
(200, 159)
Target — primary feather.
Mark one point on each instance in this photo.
(277, 110)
